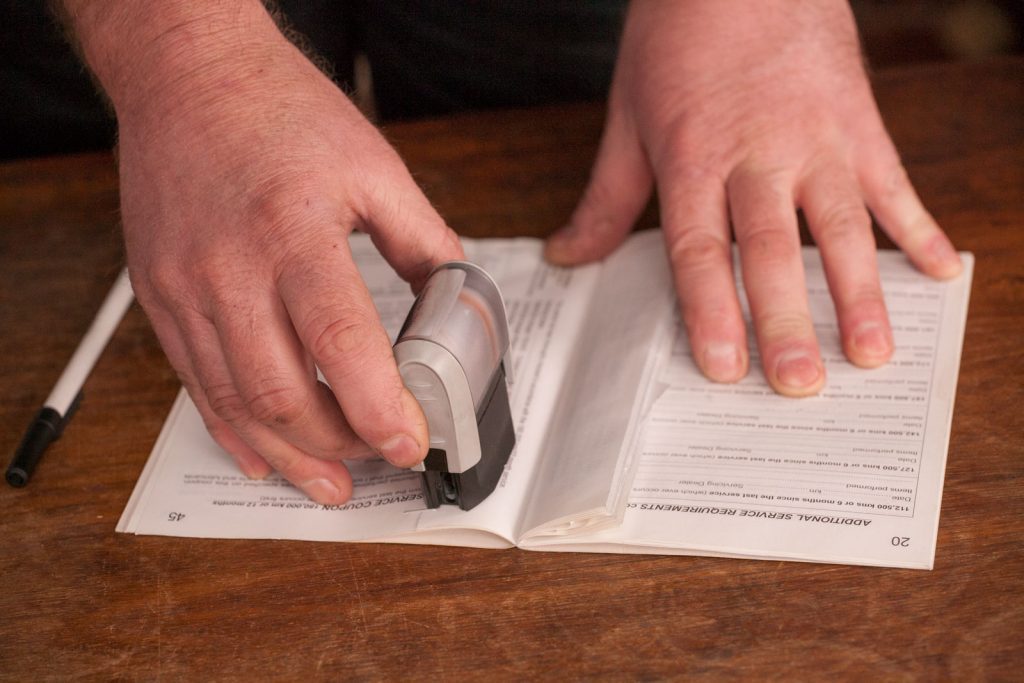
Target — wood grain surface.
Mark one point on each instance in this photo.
(81, 602)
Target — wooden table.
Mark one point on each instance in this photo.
(79, 601)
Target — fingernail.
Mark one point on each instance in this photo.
(872, 339)
(401, 451)
(797, 370)
(322, 491)
(722, 361)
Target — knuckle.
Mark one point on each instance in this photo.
(785, 327)
(164, 277)
(286, 211)
(766, 171)
(682, 143)
(897, 180)
(865, 300)
(286, 462)
(227, 404)
(689, 164)
(222, 294)
(209, 278)
(768, 244)
(694, 249)
(163, 285)
(712, 321)
(277, 404)
(843, 223)
(216, 277)
(340, 447)
(279, 204)
(340, 337)
(382, 411)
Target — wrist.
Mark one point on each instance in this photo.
(148, 56)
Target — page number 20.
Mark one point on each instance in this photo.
(900, 541)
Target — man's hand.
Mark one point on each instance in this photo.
(741, 111)
(243, 171)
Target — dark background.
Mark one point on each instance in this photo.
(48, 104)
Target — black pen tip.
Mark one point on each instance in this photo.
(44, 430)
(16, 477)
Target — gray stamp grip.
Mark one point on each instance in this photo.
(453, 355)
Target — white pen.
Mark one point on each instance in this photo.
(49, 422)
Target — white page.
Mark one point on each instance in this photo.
(853, 475)
(584, 476)
(546, 308)
(190, 487)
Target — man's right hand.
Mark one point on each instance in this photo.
(243, 171)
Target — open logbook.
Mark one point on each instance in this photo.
(622, 446)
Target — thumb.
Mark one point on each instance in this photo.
(405, 227)
(620, 184)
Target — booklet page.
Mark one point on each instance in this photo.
(585, 470)
(853, 475)
(190, 487)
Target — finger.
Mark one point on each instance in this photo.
(404, 226)
(891, 197)
(696, 226)
(620, 184)
(841, 227)
(337, 323)
(275, 382)
(248, 460)
(324, 481)
(252, 464)
(764, 220)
